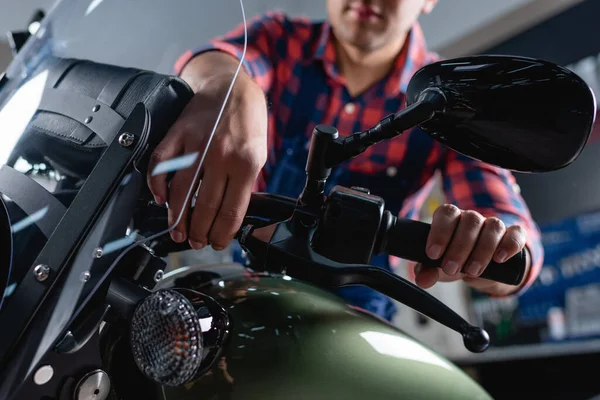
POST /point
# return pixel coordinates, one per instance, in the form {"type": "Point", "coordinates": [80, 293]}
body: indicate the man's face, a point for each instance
{"type": "Point", "coordinates": [371, 24]}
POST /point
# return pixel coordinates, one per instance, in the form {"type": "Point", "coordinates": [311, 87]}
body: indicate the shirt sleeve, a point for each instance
{"type": "Point", "coordinates": [265, 39]}
{"type": "Point", "coordinates": [492, 191]}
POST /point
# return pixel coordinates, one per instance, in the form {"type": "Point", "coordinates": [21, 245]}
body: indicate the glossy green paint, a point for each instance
{"type": "Point", "coordinates": [290, 340]}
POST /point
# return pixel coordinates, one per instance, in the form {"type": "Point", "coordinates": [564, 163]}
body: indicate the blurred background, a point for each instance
{"type": "Point", "coordinates": [541, 338]}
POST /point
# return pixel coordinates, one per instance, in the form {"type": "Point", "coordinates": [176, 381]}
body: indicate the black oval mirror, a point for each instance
{"type": "Point", "coordinates": [518, 113]}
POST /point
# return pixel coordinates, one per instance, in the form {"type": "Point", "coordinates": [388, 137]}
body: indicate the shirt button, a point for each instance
{"type": "Point", "coordinates": [349, 108]}
{"type": "Point", "coordinates": [392, 171]}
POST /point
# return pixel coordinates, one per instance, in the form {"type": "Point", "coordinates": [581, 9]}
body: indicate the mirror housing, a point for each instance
{"type": "Point", "coordinates": [518, 113]}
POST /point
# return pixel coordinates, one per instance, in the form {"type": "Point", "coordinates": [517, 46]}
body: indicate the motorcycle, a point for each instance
{"type": "Point", "coordinates": [89, 310]}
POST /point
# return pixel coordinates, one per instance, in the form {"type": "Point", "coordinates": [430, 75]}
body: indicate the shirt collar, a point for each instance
{"type": "Point", "coordinates": [414, 55]}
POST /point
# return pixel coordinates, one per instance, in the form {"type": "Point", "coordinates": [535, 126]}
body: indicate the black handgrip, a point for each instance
{"type": "Point", "coordinates": [407, 239]}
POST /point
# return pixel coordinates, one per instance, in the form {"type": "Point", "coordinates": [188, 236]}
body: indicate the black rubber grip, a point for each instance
{"type": "Point", "coordinates": [407, 239]}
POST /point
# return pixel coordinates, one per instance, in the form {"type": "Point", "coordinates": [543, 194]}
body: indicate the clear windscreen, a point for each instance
{"type": "Point", "coordinates": [72, 175]}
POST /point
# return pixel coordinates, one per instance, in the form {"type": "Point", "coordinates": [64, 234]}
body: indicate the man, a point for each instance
{"type": "Point", "coordinates": [349, 72]}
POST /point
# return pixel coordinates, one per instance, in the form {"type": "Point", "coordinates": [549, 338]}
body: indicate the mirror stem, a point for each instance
{"type": "Point", "coordinates": [431, 101]}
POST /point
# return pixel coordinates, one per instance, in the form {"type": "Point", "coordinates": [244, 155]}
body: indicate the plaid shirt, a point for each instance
{"type": "Point", "coordinates": [280, 46]}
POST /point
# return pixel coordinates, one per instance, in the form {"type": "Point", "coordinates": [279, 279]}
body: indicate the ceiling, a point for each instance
{"type": "Point", "coordinates": [480, 24]}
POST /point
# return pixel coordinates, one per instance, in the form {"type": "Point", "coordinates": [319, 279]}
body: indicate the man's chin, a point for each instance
{"type": "Point", "coordinates": [362, 41]}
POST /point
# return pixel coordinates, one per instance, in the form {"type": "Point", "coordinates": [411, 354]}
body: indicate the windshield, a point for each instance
{"type": "Point", "coordinates": [81, 107]}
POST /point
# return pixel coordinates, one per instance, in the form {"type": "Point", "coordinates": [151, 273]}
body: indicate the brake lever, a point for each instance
{"type": "Point", "coordinates": [285, 248]}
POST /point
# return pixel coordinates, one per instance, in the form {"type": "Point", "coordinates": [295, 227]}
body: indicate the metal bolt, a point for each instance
{"type": "Point", "coordinates": [86, 276]}
{"type": "Point", "coordinates": [98, 252]}
{"type": "Point", "coordinates": [88, 120]}
{"type": "Point", "coordinates": [93, 386]}
{"type": "Point", "coordinates": [43, 375]}
{"type": "Point", "coordinates": [41, 272]}
{"type": "Point", "coordinates": [159, 275]}
{"type": "Point", "coordinates": [96, 108]}
{"type": "Point", "coordinates": [126, 139]}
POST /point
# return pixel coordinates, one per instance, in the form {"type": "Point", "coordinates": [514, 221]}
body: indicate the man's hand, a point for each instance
{"type": "Point", "coordinates": [466, 241]}
{"type": "Point", "coordinates": [233, 161]}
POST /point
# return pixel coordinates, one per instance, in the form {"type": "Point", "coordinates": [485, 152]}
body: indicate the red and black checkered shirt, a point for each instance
{"type": "Point", "coordinates": [279, 47]}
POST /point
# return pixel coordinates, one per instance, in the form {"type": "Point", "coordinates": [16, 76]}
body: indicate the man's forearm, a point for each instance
{"type": "Point", "coordinates": [203, 69]}
{"type": "Point", "coordinates": [213, 72]}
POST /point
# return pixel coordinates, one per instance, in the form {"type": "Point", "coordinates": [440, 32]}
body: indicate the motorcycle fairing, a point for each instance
{"type": "Point", "coordinates": [74, 132]}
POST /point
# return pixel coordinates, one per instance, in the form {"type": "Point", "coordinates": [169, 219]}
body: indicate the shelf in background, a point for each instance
{"type": "Point", "coordinates": [532, 351]}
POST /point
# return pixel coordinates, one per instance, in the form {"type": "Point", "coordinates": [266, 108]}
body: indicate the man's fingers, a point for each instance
{"type": "Point", "coordinates": [179, 209]}
{"type": "Point", "coordinates": [232, 210]}
{"type": "Point", "coordinates": [426, 277]}
{"type": "Point", "coordinates": [444, 222]}
{"type": "Point", "coordinates": [170, 148]}
{"type": "Point", "coordinates": [513, 242]}
{"type": "Point", "coordinates": [463, 242]}
{"type": "Point", "coordinates": [208, 202]}
{"type": "Point", "coordinates": [491, 234]}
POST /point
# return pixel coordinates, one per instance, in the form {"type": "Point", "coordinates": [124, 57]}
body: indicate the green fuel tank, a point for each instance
{"type": "Point", "coordinates": [290, 340]}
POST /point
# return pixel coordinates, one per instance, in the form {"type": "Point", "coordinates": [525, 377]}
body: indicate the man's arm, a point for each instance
{"type": "Point", "coordinates": [238, 151]}
{"type": "Point", "coordinates": [210, 66]}
{"type": "Point", "coordinates": [266, 39]}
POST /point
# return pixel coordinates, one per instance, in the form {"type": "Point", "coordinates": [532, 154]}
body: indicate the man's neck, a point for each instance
{"type": "Point", "coordinates": [361, 69]}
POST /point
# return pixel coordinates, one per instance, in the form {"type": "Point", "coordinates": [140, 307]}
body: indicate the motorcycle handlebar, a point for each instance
{"type": "Point", "coordinates": [407, 239]}
{"type": "Point", "coordinates": [403, 238]}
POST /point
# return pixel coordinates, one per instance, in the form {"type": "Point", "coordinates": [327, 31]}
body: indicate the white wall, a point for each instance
{"type": "Point", "coordinates": [452, 19]}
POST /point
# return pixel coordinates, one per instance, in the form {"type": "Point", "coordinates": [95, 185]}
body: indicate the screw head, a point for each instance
{"type": "Point", "coordinates": [86, 276]}
{"type": "Point", "coordinates": [98, 252]}
{"type": "Point", "coordinates": [159, 275]}
{"type": "Point", "coordinates": [88, 120]}
{"type": "Point", "coordinates": [41, 272]}
{"type": "Point", "coordinates": [126, 139]}
{"type": "Point", "coordinates": [43, 375]}
{"type": "Point", "coordinates": [96, 108]}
